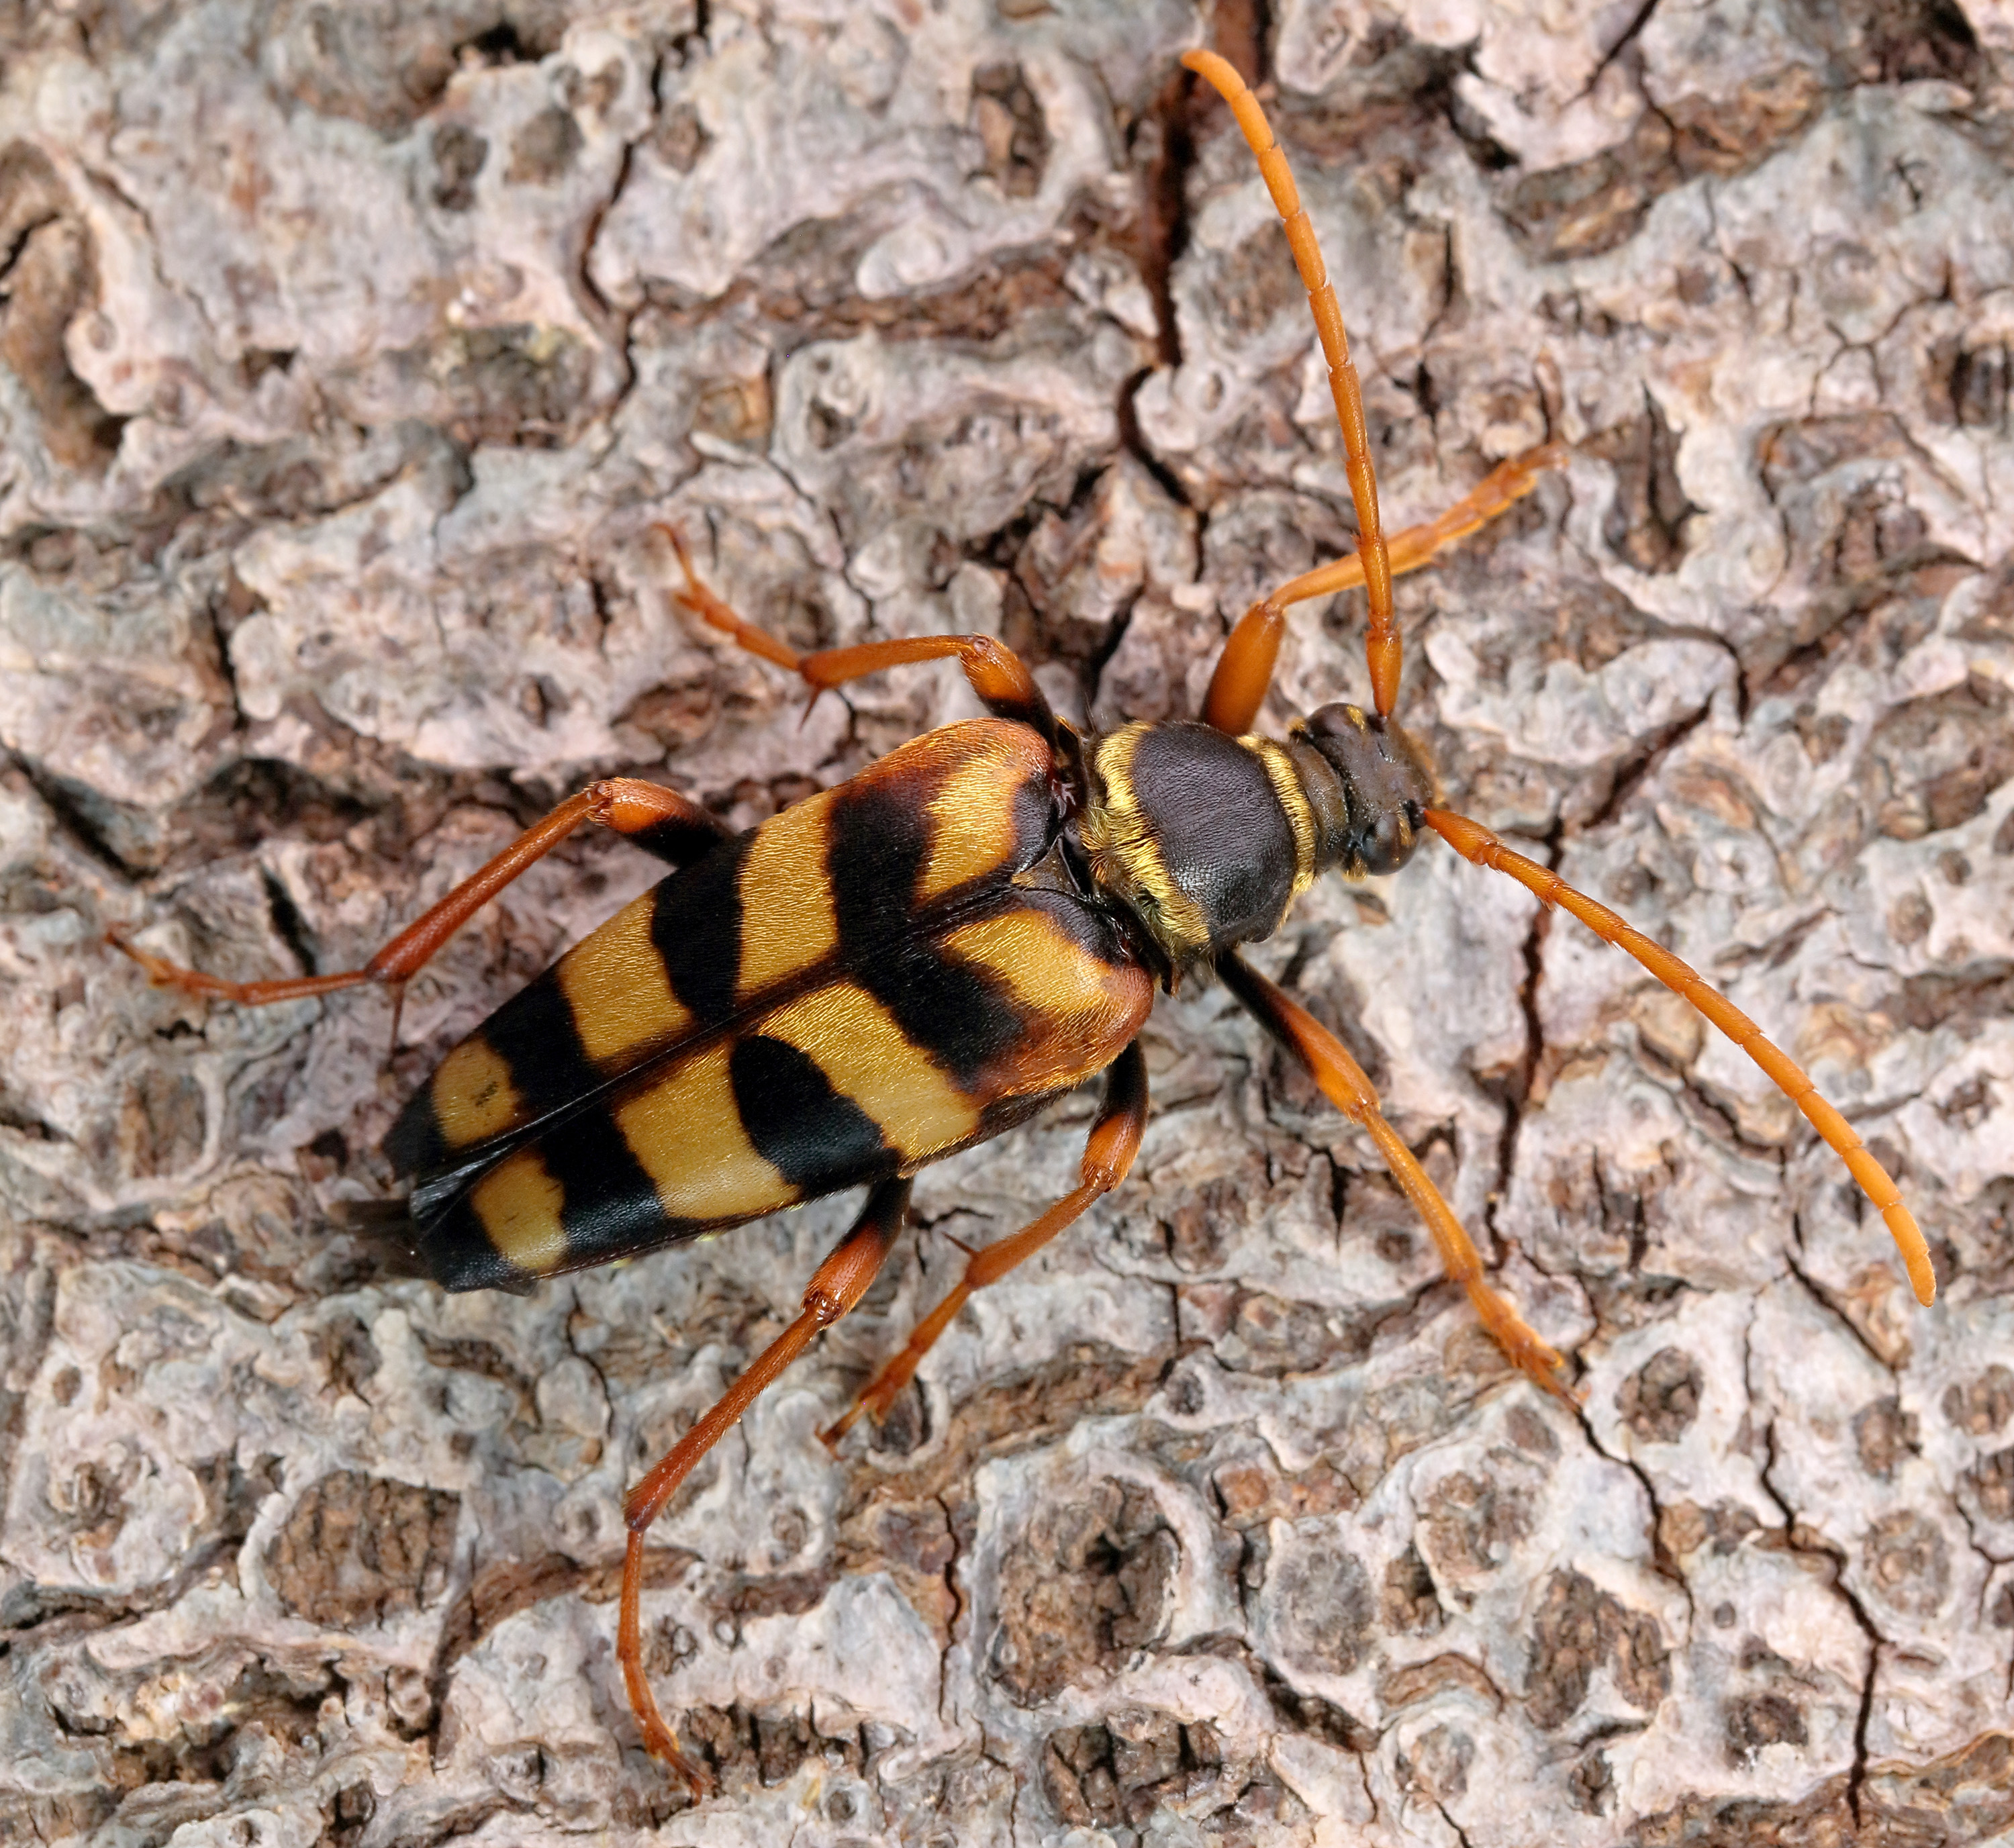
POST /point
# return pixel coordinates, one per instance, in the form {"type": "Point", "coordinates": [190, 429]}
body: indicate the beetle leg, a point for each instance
{"type": "Point", "coordinates": [1244, 669]}
{"type": "Point", "coordinates": [1108, 1156]}
{"type": "Point", "coordinates": [698, 598]}
{"type": "Point", "coordinates": [997, 674]}
{"type": "Point", "coordinates": [671, 825]}
{"type": "Point", "coordinates": [838, 1283]}
{"type": "Point", "coordinates": [1475, 843]}
{"type": "Point", "coordinates": [1507, 482]}
{"type": "Point", "coordinates": [1343, 1081]}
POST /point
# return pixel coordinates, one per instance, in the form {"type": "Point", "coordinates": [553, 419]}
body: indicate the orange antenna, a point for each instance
{"type": "Point", "coordinates": [1382, 645]}
{"type": "Point", "coordinates": [1475, 843]}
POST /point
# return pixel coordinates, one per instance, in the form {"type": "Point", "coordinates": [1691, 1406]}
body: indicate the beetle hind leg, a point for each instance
{"type": "Point", "coordinates": [1107, 1158]}
{"type": "Point", "coordinates": [670, 825]}
{"type": "Point", "coordinates": [836, 1286]}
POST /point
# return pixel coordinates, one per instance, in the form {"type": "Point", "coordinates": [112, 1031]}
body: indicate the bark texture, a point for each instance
{"type": "Point", "coordinates": [347, 353]}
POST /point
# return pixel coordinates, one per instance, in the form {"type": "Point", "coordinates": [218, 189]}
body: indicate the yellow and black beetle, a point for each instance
{"type": "Point", "coordinates": [917, 959]}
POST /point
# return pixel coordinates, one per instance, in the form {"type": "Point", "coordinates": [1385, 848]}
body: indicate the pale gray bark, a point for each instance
{"type": "Point", "coordinates": [349, 353]}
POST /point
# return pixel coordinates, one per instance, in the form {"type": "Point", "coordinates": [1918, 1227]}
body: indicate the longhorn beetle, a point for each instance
{"type": "Point", "coordinates": [924, 956]}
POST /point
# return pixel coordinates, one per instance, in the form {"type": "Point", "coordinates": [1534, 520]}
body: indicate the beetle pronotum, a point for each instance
{"type": "Point", "coordinates": [923, 957]}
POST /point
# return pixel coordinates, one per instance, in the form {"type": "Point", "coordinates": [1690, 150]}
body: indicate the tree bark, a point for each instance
{"type": "Point", "coordinates": [348, 357]}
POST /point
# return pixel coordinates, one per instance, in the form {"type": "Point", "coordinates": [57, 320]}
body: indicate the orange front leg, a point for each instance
{"type": "Point", "coordinates": [1345, 387]}
{"type": "Point", "coordinates": [1244, 669]}
{"type": "Point", "coordinates": [1343, 1081]}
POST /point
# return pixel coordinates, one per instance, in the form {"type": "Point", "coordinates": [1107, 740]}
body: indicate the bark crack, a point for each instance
{"type": "Point", "coordinates": [1645, 758]}
{"type": "Point", "coordinates": [1630, 34]}
{"type": "Point", "coordinates": [1830, 1303]}
{"type": "Point", "coordinates": [1660, 1556]}
{"type": "Point", "coordinates": [1809, 1543]}
{"type": "Point", "coordinates": [1460, 1834]}
{"type": "Point", "coordinates": [73, 820]}
{"type": "Point", "coordinates": [1515, 1089]}
{"type": "Point", "coordinates": [957, 1604]}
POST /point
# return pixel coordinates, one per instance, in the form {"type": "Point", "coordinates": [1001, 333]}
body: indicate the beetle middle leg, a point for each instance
{"type": "Point", "coordinates": [1343, 1081]}
{"type": "Point", "coordinates": [1108, 1157]}
{"type": "Point", "coordinates": [998, 676]}
{"type": "Point", "coordinates": [836, 1286]}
